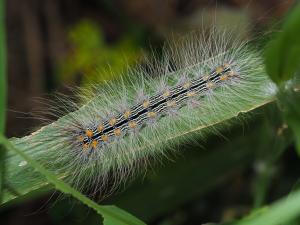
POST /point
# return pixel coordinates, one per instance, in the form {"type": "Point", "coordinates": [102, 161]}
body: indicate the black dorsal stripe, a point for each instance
{"type": "Point", "coordinates": [198, 84]}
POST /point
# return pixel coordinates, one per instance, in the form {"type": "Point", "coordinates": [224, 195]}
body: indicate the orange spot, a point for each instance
{"type": "Point", "coordinates": [146, 104]}
{"type": "Point", "coordinates": [219, 70]}
{"type": "Point", "coordinates": [112, 121]}
{"type": "Point", "coordinates": [132, 124]}
{"type": "Point", "coordinates": [171, 103]}
{"type": "Point", "coordinates": [89, 133]}
{"type": "Point", "coordinates": [166, 94]}
{"type": "Point", "coordinates": [187, 85]}
{"type": "Point", "coordinates": [118, 132]}
{"type": "Point", "coordinates": [94, 143]}
{"type": "Point", "coordinates": [224, 77]}
{"type": "Point", "coordinates": [100, 128]}
{"type": "Point", "coordinates": [191, 93]}
{"type": "Point", "coordinates": [104, 137]}
{"type": "Point", "coordinates": [151, 114]}
{"type": "Point", "coordinates": [85, 146]}
{"type": "Point", "coordinates": [127, 114]}
{"type": "Point", "coordinates": [80, 138]}
{"type": "Point", "coordinates": [210, 84]}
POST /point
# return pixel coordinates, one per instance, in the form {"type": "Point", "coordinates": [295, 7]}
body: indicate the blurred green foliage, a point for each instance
{"type": "Point", "coordinates": [90, 55]}
{"type": "Point", "coordinates": [283, 52]}
{"type": "Point", "coordinates": [290, 101]}
{"type": "Point", "coordinates": [283, 64]}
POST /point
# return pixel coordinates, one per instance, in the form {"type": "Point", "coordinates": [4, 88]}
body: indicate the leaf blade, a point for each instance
{"type": "Point", "coordinates": [282, 55]}
{"type": "Point", "coordinates": [282, 211]}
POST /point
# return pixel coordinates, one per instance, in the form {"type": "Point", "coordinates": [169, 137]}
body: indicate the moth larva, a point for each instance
{"type": "Point", "coordinates": [201, 80]}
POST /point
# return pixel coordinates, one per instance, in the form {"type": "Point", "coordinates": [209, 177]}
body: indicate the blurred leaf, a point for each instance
{"type": "Point", "coordinates": [289, 100]}
{"type": "Point", "coordinates": [283, 63]}
{"type": "Point", "coordinates": [111, 214]}
{"type": "Point", "coordinates": [282, 56]}
{"type": "Point", "coordinates": [282, 211]}
{"type": "Point", "coordinates": [273, 140]}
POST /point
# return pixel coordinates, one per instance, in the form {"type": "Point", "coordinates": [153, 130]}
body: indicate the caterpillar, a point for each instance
{"type": "Point", "coordinates": [120, 127]}
{"type": "Point", "coordinates": [148, 109]}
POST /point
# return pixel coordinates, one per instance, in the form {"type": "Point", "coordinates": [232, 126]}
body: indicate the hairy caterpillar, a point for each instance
{"type": "Point", "coordinates": [120, 125]}
{"type": "Point", "coordinates": [148, 109]}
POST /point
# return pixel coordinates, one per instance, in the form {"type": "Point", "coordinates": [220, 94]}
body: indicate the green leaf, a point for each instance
{"type": "Point", "coordinates": [111, 214]}
{"type": "Point", "coordinates": [24, 180]}
{"type": "Point", "coordinates": [280, 212]}
{"type": "Point", "coordinates": [282, 56]}
{"type": "Point", "coordinates": [112, 220]}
